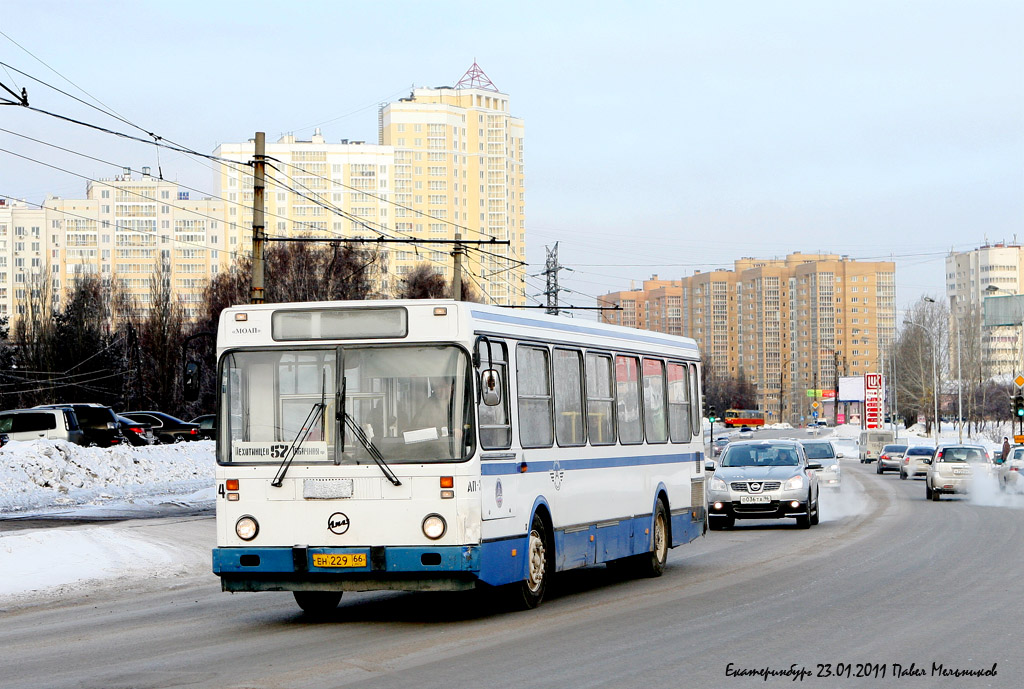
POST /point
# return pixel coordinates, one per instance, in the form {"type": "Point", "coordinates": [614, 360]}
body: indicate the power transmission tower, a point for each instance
{"type": "Point", "coordinates": [551, 268]}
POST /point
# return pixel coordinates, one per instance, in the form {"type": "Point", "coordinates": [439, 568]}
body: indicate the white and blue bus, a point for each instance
{"type": "Point", "coordinates": [442, 445]}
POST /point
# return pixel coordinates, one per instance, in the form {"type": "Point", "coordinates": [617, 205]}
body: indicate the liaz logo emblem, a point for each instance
{"type": "Point", "coordinates": [338, 523]}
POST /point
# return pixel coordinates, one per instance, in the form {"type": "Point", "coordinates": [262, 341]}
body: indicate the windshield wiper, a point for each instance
{"type": "Point", "coordinates": [371, 449]}
{"type": "Point", "coordinates": [300, 437]}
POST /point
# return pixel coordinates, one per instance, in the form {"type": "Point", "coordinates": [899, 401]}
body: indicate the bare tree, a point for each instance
{"type": "Point", "coordinates": [921, 353]}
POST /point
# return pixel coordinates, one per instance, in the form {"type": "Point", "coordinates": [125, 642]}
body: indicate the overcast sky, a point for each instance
{"type": "Point", "coordinates": [660, 137]}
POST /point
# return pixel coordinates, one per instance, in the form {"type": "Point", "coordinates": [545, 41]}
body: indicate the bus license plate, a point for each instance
{"type": "Point", "coordinates": [339, 559]}
{"type": "Point", "coordinates": [755, 499]}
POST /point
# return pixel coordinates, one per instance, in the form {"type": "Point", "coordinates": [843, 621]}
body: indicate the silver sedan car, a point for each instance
{"type": "Point", "coordinates": [763, 479]}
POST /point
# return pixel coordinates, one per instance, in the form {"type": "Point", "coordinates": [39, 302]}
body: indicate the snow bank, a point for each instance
{"type": "Point", "coordinates": [44, 473]}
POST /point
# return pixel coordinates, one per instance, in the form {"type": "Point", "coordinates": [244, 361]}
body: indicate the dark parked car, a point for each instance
{"type": "Point", "coordinates": [207, 426]}
{"type": "Point", "coordinates": [136, 432]}
{"type": "Point", "coordinates": [98, 422]}
{"type": "Point", "coordinates": [3, 439]}
{"type": "Point", "coordinates": [166, 428]}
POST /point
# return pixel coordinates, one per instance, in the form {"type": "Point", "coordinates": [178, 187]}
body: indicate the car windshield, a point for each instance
{"type": "Point", "coordinates": [894, 448]}
{"type": "Point", "coordinates": [760, 455]}
{"type": "Point", "coordinates": [412, 403]}
{"type": "Point", "coordinates": [819, 450]}
{"type": "Point", "coordinates": [924, 451]}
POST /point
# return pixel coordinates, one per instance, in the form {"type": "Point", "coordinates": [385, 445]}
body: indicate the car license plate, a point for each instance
{"type": "Point", "coordinates": [754, 499]}
{"type": "Point", "coordinates": [339, 559]}
{"type": "Point", "coordinates": [961, 471]}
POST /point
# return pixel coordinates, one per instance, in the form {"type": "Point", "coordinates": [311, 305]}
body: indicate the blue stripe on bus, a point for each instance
{"type": "Point", "coordinates": [570, 327]}
{"type": "Point", "coordinates": [514, 467]}
{"type": "Point", "coordinates": [496, 562]}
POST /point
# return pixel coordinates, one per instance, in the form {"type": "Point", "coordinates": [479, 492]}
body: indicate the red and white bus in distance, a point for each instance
{"type": "Point", "coordinates": [743, 418]}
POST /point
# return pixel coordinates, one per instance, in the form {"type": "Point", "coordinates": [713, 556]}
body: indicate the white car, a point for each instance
{"type": "Point", "coordinates": [916, 461]}
{"type": "Point", "coordinates": [824, 452]}
{"type": "Point", "coordinates": [1008, 472]}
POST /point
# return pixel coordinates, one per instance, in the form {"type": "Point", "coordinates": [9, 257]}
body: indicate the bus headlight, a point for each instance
{"type": "Point", "coordinates": [434, 526]}
{"type": "Point", "coordinates": [247, 527]}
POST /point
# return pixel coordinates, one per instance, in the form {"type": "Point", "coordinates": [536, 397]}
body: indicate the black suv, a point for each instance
{"type": "Point", "coordinates": [98, 423]}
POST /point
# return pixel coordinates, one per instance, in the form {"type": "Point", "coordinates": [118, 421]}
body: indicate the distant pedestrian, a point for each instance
{"type": "Point", "coordinates": [1006, 449]}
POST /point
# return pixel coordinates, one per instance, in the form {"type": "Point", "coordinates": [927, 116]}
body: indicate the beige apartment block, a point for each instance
{"type": "Point", "coordinates": [23, 253]}
{"type": "Point", "coordinates": [459, 168]}
{"type": "Point", "coordinates": [992, 270]}
{"type": "Point", "coordinates": [133, 228]}
{"type": "Point", "coordinates": [788, 325]}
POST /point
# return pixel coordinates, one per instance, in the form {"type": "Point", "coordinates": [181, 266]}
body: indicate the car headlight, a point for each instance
{"type": "Point", "coordinates": [795, 483]}
{"type": "Point", "coordinates": [247, 527]}
{"type": "Point", "coordinates": [434, 526]}
{"type": "Point", "coordinates": [717, 484]}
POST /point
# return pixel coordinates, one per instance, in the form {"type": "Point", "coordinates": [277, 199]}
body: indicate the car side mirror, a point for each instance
{"type": "Point", "coordinates": [490, 387]}
{"type": "Point", "coordinates": [927, 460]}
{"type": "Point", "coordinates": [813, 465]}
{"type": "Point", "coordinates": [839, 455]}
{"type": "Point", "coordinates": [709, 465]}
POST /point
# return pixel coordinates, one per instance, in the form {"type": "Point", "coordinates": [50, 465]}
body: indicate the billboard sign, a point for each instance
{"type": "Point", "coordinates": [851, 388]}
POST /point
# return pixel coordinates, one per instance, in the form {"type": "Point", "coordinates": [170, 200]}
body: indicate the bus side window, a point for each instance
{"type": "Point", "coordinates": [534, 383]}
{"type": "Point", "coordinates": [569, 428]}
{"type": "Point", "coordinates": [627, 395]}
{"type": "Point", "coordinates": [495, 425]}
{"type": "Point", "coordinates": [655, 426]}
{"type": "Point", "coordinates": [600, 400]}
{"type": "Point", "coordinates": [678, 403]}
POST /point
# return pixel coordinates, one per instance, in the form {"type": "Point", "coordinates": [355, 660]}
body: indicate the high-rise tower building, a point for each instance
{"type": "Point", "coordinates": [459, 168]}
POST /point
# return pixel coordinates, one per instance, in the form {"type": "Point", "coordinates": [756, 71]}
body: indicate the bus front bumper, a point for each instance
{"type": "Point", "coordinates": [302, 568]}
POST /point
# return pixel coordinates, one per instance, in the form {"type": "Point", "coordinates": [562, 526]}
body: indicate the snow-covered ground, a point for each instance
{"type": "Point", "coordinates": [47, 478]}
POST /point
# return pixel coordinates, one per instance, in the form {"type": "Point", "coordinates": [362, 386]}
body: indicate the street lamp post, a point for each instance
{"type": "Point", "coordinates": [935, 384]}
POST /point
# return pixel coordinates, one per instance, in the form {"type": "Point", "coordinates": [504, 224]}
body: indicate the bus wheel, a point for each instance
{"type": "Point", "coordinates": [317, 603]}
{"type": "Point", "coordinates": [652, 564]}
{"type": "Point", "coordinates": [539, 565]}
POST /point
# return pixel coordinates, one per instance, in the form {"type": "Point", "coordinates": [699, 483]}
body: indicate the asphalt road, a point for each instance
{"type": "Point", "coordinates": [887, 578]}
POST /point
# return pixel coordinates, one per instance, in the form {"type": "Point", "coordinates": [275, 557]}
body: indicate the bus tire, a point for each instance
{"type": "Point", "coordinates": [317, 603]}
{"type": "Point", "coordinates": [540, 564]}
{"type": "Point", "coordinates": [652, 564]}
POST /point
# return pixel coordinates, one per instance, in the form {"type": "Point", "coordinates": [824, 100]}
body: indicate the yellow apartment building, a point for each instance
{"type": "Point", "coordinates": [459, 168]}
{"type": "Point", "coordinates": [788, 325]}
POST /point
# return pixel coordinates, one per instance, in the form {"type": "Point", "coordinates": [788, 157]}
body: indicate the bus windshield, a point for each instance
{"type": "Point", "coordinates": [412, 403]}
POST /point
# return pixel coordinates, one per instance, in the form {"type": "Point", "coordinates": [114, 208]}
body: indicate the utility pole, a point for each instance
{"type": "Point", "coordinates": [259, 173]}
{"type": "Point", "coordinates": [457, 272]}
{"type": "Point", "coordinates": [835, 397]}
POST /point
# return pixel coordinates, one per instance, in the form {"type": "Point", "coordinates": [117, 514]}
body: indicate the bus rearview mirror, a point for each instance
{"type": "Point", "coordinates": [490, 387]}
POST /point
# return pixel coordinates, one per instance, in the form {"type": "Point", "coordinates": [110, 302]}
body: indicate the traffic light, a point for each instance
{"type": "Point", "coordinates": [712, 417]}
{"type": "Point", "coordinates": [1018, 406]}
